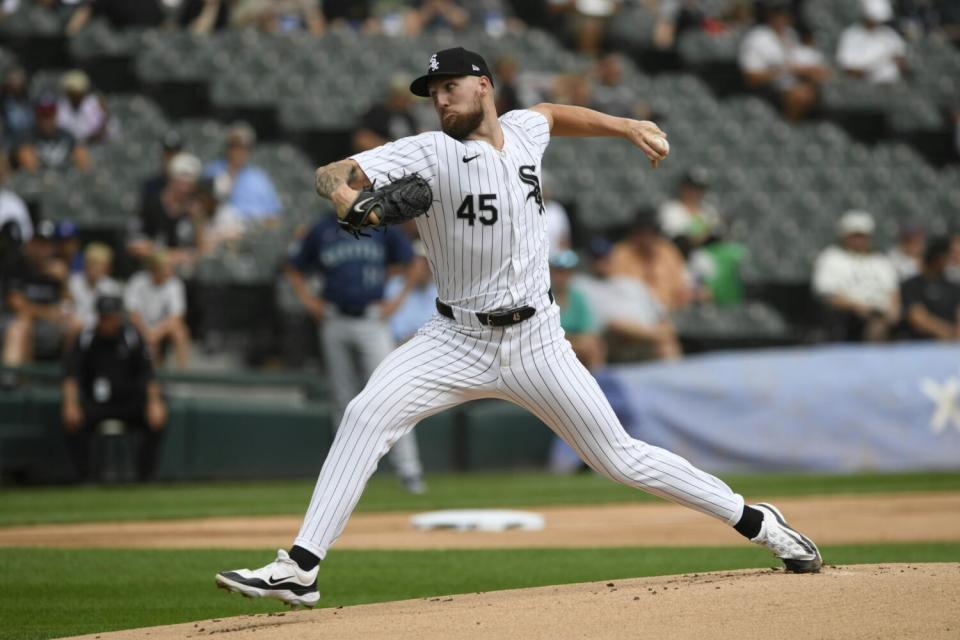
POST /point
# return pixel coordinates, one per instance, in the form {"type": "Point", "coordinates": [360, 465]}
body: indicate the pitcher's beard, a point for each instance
{"type": "Point", "coordinates": [459, 127]}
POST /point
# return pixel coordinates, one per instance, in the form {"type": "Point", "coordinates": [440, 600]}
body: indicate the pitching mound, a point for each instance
{"type": "Point", "coordinates": [860, 601]}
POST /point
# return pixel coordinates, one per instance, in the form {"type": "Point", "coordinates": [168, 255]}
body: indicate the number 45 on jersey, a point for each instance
{"type": "Point", "coordinates": [479, 207]}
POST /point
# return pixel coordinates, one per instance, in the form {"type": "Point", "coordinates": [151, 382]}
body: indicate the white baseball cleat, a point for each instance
{"type": "Point", "coordinates": [282, 579]}
{"type": "Point", "coordinates": [798, 552]}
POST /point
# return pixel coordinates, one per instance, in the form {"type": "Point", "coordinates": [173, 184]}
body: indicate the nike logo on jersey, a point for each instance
{"type": "Point", "coordinates": [466, 159]}
{"type": "Point", "coordinates": [272, 580]}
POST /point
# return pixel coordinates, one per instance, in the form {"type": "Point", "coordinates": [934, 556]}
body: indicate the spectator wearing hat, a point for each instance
{"type": "Point", "coordinates": [67, 246]}
{"type": "Point", "coordinates": [245, 186]}
{"type": "Point", "coordinates": [648, 257]}
{"type": "Point", "coordinates": [858, 286]}
{"type": "Point", "coordinates": [388, 120]}
{"type": "Point", "coordinates": [931, 303]}
{"type": "Point", "coordinates": [172, 221]}
{"type": "Point", "coordinates": [689, 220]}
{"type": "Point", "coordinates": [576, 317]}
{"type": "Point", "coordinates": [635, 325]}
{"type": "Point", "coordinates": [771, 67]}
{"type": "Point", "coordinates": [12, 207]}
{"type": "Point", "coordinates": [151, 188]}
{"type": "Point", "coordinates": [33, 288]}
{"type": "Point", "coordinates": [870, 49]}
{"type": "Point", "coordinates": [907, 254]}
{"type": "Point", "coordinates": [157, 303]}
{"type": "Point", "coordinates": [81, 112]}
{"type": "Point", "coordinates": [48, 146]}
{"type": "Point", "coordinates": [109, 376]}
{"type": "Point", "coordinates": [93, 282]}
{"type": "Point", "coordinates": [16, 112]}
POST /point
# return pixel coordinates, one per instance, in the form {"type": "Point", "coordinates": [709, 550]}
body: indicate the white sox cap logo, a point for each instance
{"type": "Point", "coordinates": [434, 65]}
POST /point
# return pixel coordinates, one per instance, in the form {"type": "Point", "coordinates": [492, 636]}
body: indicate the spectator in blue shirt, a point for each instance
{"type": "Point", "coordinates": [246, 187]}
{"type": "Point", "coordinates": [416, 294]}
{"type": "Point", "coordinates": [353, 316]}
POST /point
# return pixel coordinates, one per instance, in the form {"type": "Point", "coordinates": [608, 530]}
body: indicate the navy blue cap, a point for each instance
{"type": "Point", "coordinates": [65, 229]}
{"type": "Point", "coordinates": [109, 304]}
{"type": "Point", "coordinates": [451, 62]}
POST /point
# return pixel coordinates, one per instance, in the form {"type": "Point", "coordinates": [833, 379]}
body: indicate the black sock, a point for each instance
{"type": "Point", "coordinates": [750, 522]}
{"type": "Point", "coordinates": [304, 559]}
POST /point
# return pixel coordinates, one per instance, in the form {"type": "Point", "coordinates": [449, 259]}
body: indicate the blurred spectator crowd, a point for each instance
{"type": "Point", "coordinates": [620, 295]}
{"type": "Point", "coordinates": [50, 284]}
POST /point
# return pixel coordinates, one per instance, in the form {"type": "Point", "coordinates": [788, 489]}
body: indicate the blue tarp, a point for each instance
{"type": "Point", "coordinates": [833, 408]}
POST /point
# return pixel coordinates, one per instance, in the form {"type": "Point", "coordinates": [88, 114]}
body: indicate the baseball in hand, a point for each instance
{"type": "Point", "coordinates": [662, 144]}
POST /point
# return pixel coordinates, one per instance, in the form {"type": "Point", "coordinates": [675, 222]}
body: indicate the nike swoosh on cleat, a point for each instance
{"type": "Point", "coordinates": [271, 580]}
{"type": "Point", "coordinates": [466, 159]}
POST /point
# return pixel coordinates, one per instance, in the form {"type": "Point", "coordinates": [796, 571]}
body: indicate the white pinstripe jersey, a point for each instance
{"type": "Point", "coordinates": [485, 235]}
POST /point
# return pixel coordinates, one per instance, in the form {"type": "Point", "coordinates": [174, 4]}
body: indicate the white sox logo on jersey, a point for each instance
{"type": "Point", "coordinates": [528, 175]}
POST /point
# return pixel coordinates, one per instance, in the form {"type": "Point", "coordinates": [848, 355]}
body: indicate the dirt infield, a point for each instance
{"type": "Point", "coordinates": [859, 601]}
{"type": "Point", "coordinates": [915, 517]}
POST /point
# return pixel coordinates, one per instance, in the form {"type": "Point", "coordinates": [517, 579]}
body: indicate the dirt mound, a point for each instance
{"type": "Point", "coordinates": [914, 517]}
{"type": "Point", "coordinates": [860, 601]}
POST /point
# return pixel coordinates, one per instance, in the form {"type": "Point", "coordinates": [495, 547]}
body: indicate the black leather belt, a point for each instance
{"type": "Point", "coordinates": [503, 318]}
{"type": "Point", "coordinates": [352, 312]}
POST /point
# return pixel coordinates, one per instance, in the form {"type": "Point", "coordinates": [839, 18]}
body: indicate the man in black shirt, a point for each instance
{"type": "Point", "coordinates": [32, 283]}
{"type": "Point", "coordinates": [109, 376]}
{"type": "Point", "coordinates": [171, 218]}
{"type": "Point", "coordinates": [931, 303]}
{"type": "Point", "coordinates": [152, 187]}
{"type": "Point", "coordinates": [48, 146]}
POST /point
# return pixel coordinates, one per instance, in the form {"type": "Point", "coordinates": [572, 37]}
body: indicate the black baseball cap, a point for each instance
{"type": "Point", "coordinates": [107, 304]}
{"type": "Point", "coordinates": [451, 62]}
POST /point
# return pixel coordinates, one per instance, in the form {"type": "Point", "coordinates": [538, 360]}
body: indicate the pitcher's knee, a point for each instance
{"type": "Point", "coordinates": [625, 463]}
{"type": "Point", "coordinates": [366, 408]}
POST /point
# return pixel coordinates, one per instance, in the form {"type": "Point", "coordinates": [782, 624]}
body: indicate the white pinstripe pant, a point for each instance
{"type": "Point", "coordinates": [530, 364]}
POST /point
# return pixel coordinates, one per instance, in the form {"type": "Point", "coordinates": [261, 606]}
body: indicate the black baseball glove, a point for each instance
{"type": "Point", "coordinates": [403, 199]}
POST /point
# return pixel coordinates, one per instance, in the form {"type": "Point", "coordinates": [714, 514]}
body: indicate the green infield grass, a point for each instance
{"type": "Point", "coordinates": [49, 593]}
{"type": "Point", "coordinates": [508, 490]}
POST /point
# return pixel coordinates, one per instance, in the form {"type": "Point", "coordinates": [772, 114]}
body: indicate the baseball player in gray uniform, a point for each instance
{"type": "Point", "coordinates": [496, 333]}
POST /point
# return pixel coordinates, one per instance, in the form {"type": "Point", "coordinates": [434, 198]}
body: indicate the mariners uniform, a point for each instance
{"type": "Point", "coordinates": [496, 334]}
{"type": "Point", "coordinates": [355, 339]}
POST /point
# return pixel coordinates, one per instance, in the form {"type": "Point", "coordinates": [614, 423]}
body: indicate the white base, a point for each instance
{"type": "Point", "coordinates": [478, 520]}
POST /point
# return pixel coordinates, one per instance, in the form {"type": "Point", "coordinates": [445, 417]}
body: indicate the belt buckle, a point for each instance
{"type": "Point", "coordinates": [513, 315]}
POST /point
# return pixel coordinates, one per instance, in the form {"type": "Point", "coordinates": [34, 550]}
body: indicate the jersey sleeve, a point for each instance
{"type": "Point", "coordinates": [415, 154]}
{"type": "Point", "coordinates": [533, 125]}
